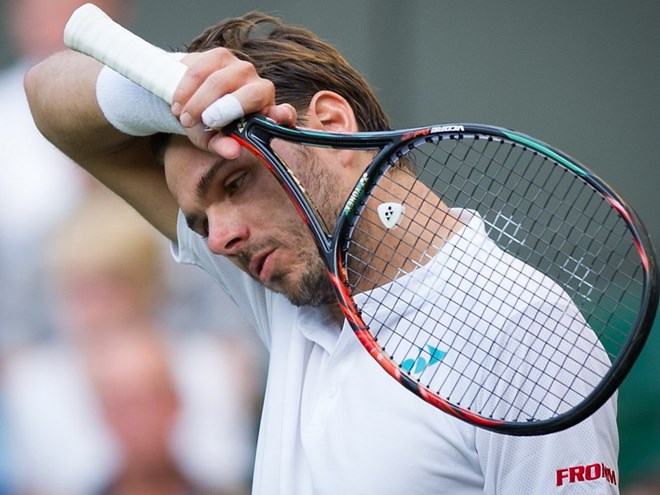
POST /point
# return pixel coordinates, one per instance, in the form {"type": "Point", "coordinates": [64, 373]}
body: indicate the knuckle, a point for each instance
{"type": "Point", "coordinates": [216, 80]}
{"type": "Point", "coordinates": [264, 92]}
{"type": "Point", "coordinates": [221, 53]}
{"type": "Point", "coordinates": [245, 68]}
{"type": "Point", "coordinates": [195, 73]}
{"type": "Point", "coordinates": [269, 87]}
{"type": "Point", "coordinates": [259, 94]}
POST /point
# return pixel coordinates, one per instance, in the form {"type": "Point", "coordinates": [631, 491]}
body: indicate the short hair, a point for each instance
{"type": "Point", "coordinates": [297, 62]}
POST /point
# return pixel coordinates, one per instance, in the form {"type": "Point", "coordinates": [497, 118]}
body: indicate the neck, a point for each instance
{"type": "Point", "coordinates": [381, 255]}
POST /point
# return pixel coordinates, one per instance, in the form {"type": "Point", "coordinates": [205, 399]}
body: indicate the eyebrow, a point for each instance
{"type": "Point", "coordinates": [203, 186]}
{"type": "Point", "coordinates": [208, 178]}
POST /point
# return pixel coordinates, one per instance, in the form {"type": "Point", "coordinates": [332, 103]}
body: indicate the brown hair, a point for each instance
{"type": "Point", "coordinates": [297, 62]}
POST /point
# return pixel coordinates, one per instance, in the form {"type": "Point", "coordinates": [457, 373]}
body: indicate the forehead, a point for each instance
{"type": "Point", "coordinates": [177, 154]}
{"type": "Point", "coordinates": [190, 172]}
{"type": "Point", "coordinates": [187, 167]}
{"type": "Point", "coordinates": [172, 147]}
{"type": "Point", "coordinates": [184, 165]}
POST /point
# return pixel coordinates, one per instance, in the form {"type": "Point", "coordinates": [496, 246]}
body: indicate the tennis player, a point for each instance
{"type": "Point", "coordinates": [333, 422]}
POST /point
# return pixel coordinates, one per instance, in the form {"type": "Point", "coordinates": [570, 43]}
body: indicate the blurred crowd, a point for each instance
{"type": "Point", "coordinates": [121, 372]}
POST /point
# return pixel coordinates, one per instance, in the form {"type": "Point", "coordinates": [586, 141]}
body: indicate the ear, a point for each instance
{"type": "Point", "coordinates": [330, 112]}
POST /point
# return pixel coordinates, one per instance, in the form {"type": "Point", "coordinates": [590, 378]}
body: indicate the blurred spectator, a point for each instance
{"type": "Point", "coordinates": [4, 468]}
{"type": "Point", "coordinates": [38, 184]}
{"type": "Point", "coordinates": [120, 404]}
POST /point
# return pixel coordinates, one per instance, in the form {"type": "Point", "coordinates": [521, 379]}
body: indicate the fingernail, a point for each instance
{"type": "Point", "coordinates": [176, 108]}
{"type": "Point", "coordinates": [186, 120]}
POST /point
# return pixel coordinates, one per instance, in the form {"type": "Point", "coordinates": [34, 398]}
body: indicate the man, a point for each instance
{"type": "Point", "coordinates": [332, 422]}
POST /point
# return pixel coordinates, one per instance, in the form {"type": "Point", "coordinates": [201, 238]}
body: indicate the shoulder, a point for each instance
{"type": "Point", "coordinates": [584, 456]}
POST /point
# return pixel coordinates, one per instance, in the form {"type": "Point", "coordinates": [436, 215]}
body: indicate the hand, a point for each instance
{"type": "Point", "coordinates": [211, 75]}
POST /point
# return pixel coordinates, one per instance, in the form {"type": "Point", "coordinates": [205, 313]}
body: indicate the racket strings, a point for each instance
{"type": "Point", "coordinates": [369, 250]}
{"type": "Point", "coordinates": [452, 329]}
{"type": "Point", "coordinates": [494, 349]}
{"type": "Point", "coordinates": [454, 393]}
{"type": "Point", "coordinates": [569, 210]}
{"type": "Point", "coordinates": [402, 317]}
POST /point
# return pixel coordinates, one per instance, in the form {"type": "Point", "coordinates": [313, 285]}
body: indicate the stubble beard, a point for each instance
{"type": "Point", "coordinates": [313, 287]}
{"type": "Point", "coordinates": [306, 284]}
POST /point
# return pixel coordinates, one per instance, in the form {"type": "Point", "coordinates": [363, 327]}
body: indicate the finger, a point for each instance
{"type": "Point", "coordinates": [283, 114]}
{"type": "Point", "coordinates": [222, 112]}
{"type": "Point", "coordinates": [224, 146]}
{"type": "Point", "coordinates": [200, 136]}
{"type": "Point", "coordinates": [251, 93]}
{"type": "Point", "coordinates": [232, 106]}
{"type": "Point", "coordinates": [200, 66]}
{"type": "Point", "coordinates": [213, 141]}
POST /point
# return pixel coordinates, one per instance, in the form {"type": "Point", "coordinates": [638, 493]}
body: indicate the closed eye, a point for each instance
{"type": "Point", "coordinates": [234, 183]}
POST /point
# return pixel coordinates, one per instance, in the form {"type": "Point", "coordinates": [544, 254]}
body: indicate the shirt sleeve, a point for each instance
{"type": "Point", "coordinates": [581, 460]}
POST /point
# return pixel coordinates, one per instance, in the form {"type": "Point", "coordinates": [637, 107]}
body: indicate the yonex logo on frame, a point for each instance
{"type": "Point", "coordinates": [590, 472]}
{"type": "Point", "coordinates": [350, 202]}
{"type": "Point", "coordinates": [417, 366]}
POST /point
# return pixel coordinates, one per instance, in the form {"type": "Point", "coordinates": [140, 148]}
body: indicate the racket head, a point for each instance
{"type": "Point", "coordinates": [553, 282]}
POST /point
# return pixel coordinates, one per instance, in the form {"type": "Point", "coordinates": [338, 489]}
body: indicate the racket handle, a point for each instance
{"type": "Point", "coordinates": [92, 32]}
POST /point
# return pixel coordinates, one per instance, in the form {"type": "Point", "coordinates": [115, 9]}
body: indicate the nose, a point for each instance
{"type": "Point", "coordinates": [227, 232]}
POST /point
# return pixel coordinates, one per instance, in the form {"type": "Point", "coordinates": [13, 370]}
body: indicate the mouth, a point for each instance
{"type": "Point", "coordinates": [261, 266]}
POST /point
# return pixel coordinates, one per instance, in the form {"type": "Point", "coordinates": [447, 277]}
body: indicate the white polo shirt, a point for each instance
{"type": "Point", "coordinates": [334, 422]}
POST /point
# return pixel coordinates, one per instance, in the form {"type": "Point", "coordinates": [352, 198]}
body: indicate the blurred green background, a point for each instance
{"type": "Point", "coordinates": [581, 75]}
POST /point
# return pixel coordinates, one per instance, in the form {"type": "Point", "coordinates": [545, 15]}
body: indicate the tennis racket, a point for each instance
{"type": "Point", "coordinates": [488, 273]}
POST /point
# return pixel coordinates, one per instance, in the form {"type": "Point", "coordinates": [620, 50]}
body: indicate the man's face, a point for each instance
{"type": "Point", "coordinates": [245, 215]}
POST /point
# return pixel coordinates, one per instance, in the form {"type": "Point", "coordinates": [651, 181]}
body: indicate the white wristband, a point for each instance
{"type": "Point", "coordinates": [132, 109]}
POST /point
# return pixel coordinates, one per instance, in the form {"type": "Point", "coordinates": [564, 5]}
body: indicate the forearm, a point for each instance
{"type": "Point", "coordinates": [62, 97]}
{"type": "Point", "coordinates": [61, 92]}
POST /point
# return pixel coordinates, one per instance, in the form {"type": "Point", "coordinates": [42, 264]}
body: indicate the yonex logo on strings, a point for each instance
{"type": "Point", "coordinates": [418, 365]}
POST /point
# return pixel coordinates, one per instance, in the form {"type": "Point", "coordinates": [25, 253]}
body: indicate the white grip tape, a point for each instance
{"type": "Point", "coordinates": [92, 32]}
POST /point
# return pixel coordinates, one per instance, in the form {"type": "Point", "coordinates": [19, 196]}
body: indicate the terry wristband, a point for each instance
{"type": "Point", "coordinates": [132, 109]}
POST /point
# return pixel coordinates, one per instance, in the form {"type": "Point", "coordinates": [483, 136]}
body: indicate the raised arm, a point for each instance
{"type": "Point", "coordinates": [62, 97]}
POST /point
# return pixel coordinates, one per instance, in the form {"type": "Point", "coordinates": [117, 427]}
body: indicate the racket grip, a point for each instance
{"type": "Point", "coordinates": [92, 32]}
